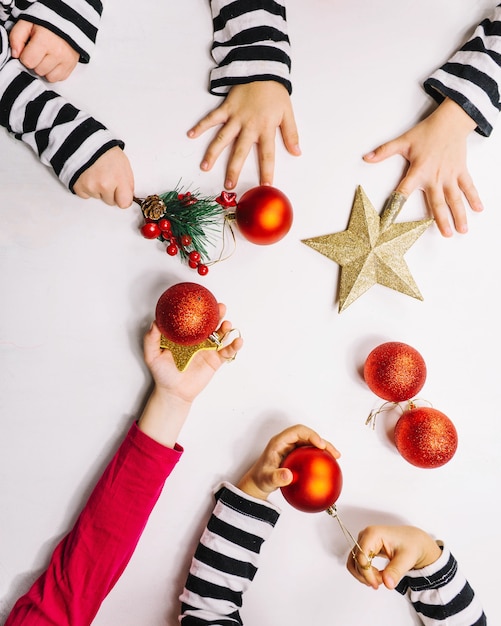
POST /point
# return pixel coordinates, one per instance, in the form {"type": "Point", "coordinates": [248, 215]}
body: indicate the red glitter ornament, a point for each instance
{"type": "Point", "coordinates": [395, 371]}
{"type": "Point", "coordinates": [264, 215]}
{"type": "Point", "coordinates": [317, 479]}
{"type": "Point", "coordinates": [425, 437]}
{"type": "Point", "coordinates": [187, 313]}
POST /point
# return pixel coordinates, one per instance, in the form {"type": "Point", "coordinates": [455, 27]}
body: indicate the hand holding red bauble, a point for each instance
{"type": "Point", "coordinates": [425, 437]}
{"type": "Point", "coordinates": [264, 215]}
{"type": "Point", "coordinates": [317, 479]}
{"type": "Point", "coordinates": [395, 371]}
{"type": "Point", "coordinates": [187, 313]}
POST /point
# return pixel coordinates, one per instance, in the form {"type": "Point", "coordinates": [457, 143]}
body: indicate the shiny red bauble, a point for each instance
{"type": "Point", "coordinates": [187, 314]}
{"type": "Point", "coordinates": [317, 479]}
{"type": "Point", "coordinates": [264, 215]}
{"type": "Point", "coordinates": [395, 371]}
{"type": "Point", "coordinates": [426, 437]}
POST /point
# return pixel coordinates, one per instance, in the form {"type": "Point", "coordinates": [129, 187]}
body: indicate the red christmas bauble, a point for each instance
{"type": "Point", "coordinates": [187, 313]}
{"type": "Point", "coordinates": [395, 371]}
{"type": "Point", "coordinates": [425, 437]}
{"type": "Point", "coordinates": [317, 479]}
{"type": "Point", "coordinates": [264, 215]}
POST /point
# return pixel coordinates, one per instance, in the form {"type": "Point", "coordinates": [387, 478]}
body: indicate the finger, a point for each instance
{"type": "Point", "coordinates": [409, 183]}
{"type": "Point", "coordinates": [214, 118]}
{"type": "Point", "coordinates": [19, 35]}
{"type": "Point", "coordinates": [400, 564]}
{"type": "Point", "coordinates": [240, 152]}
{"type": "Point", "coordinates": [290, 134]}
{"type": "Point", "coordinates": [386, 150]}
{"type": "Point", "coordinates": [124, 196]}
{"type": "Point", "coordinates": [222, 139]}
{"type": "Point", "coordinates": [32, 55]}
{"type": "Point", "coordinates": [46, 66]}
{"type": "Point", "coordinates": [471, 194]}
{"type": "Point", "coordinates": [60, 72]}
{"type": "Point", "coordinates": [456, 206]}
{"type": "Point", "coordinates": [439, 209]}
{"type": "Point", "coordinates": [151, 343]}
{"type": "Point", "coordinates": [266, 157]}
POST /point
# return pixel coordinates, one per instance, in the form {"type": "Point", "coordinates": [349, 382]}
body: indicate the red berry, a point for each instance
{"type": "Point", "coordinates": [185, 240]}
{"type": "Point", "coordinates": [150, 230]}
{"type": "Point", "coordinates": [193, 264]}
{"type": "Point", "coordinates": [164, 225]}
{"type": "Point", "coordinates": [203, 270]}
{"type": "Point", "coordinates": [172, 249]}
{"type": "Point", "coordinates": [195, 256]}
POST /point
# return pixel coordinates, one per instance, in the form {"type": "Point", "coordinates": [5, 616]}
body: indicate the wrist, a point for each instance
{"type": "Point", "coordinates": [456, 116]}
{"type": "Point", "coordinates": [164, 416]}
{"type": "Point", "coordinates": [248, 486]}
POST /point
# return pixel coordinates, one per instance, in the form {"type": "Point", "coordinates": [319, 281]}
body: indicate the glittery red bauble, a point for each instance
{"type": "Point", "coordinates": [187, 314]}
{"type": "Point", "coordinates": [264, 215]}
{"type": "Point", "coordinates": [425, 437]}
{"type": "Point", "coordinates": [395, 371]}
{"type": "Point", "coordinates": [317, 479]}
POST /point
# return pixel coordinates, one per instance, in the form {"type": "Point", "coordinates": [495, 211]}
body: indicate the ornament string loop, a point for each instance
{"type": "Point", "coordinates": [350, 539]}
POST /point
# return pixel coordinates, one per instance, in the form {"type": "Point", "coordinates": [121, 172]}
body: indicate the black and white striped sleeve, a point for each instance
{"type": "Point", "coordinates": [441, 594]}
{"type": "Point", "coordinates": [63, 137]}
{"type": "Point", "coordinates": [251, 43]}
{"type": "Point", "coordinates": [75, 21]}
{"type": "Point", "coordinates": [472, 76]}
{"type": "Point", "coordinates": [226, 559]}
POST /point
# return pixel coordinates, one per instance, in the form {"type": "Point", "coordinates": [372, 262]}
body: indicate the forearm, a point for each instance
{"type": "Point", "coordinates": [251, 43]}
{"type": "Point", "coordinates": [441, 594]}
{"type": "Point", "coordinates": [63, 137]}
{"type": "Point", "coordinates": [227, 558]}
{"type": "Point", "coordinates": [472, 76]}
{"type": "Point", "coordinates": [89, 560]}
{"type": "Point", "coordinates": [75, 21]}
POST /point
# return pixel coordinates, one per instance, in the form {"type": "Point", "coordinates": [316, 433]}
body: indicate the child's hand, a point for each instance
{"type": "Point", "coordinates": [266, 475]}
{"type": "Point", "coordinates": [406, 548]}
{"type": "Point", "coordinates": [250, 114]}
{"type": "Point", "coordinates": [42, 51]}
{"type": "Point", "coordinates": [170, 401]}
{"type": "Point", "coordinates": [187, 384]}
{"type": "Point", "coordinates": [436, 151]}
{"type": "Point", "coordinates": [110, 179]}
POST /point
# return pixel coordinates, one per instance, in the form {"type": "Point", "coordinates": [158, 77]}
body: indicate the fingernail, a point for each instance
{"type": "Point", "coordinates": [369, 155]}
{"type": "Point", "coordinates": [229, 184]}
{"type": "Point", "coordinates": [191, 133]}
{"type": "Point", "coordinates": [204, 165]}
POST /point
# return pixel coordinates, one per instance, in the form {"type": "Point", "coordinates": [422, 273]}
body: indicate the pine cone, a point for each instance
{"type": "Point", "coordinates": [153, 207]}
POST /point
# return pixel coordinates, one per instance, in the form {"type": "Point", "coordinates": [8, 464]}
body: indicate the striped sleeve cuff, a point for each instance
{"type": "Point", "coordinates": [440, 594]}
{"type": "Point", "coordinates": [4, 47]}
{"type": "Point", "coordinates": [472, 76]}
{"type": "Point", "coordinates": [227, 557]}
{"type": "Point", "coordinates": [75, 21]}
{"type": "Point", "coordinates": [251, 43]}
{"type": "Point", "coordinates": [63, 137]}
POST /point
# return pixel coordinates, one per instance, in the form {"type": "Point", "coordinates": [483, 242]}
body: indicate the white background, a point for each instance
{"type": "Point", "coordinates": [79, 286]}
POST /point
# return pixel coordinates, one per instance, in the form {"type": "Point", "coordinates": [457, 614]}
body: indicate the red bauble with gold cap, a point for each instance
{"type": "Point", "coordinates": [395, 371]}
{"type": "Point", "coordinates": [425, 437]}
{"type": "Point", "coordinates": [187, 313]}
{"type": "Point", "coordinates": [317, 479]}
{"type": "Point", "coordinates": [264, 215]}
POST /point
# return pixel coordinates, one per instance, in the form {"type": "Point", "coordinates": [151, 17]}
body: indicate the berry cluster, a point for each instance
{"type": "Point", "coordinates": [158, 226]}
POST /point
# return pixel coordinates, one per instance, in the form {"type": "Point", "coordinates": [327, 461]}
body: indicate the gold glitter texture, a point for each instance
{"type": "Point", "coordinates": [182, 355]}
{"type": "Point", "coordinates": [371, 250]}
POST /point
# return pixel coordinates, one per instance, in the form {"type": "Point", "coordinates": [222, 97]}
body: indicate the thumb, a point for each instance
{"type": "Point", "coordinates": [18, 37]}
{"type": "Point", "coordinates": [290, 135]}
{"type": "Point", "coordinates": [282, 477]}
{"type": "Point", "coordinates": [396, 569]}
{"type": "Point", "coordinates": [384, 151]}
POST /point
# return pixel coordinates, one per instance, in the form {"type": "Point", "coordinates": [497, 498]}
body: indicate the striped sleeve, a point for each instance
{"type": "Point", "coordinates": [226, 559]}
{"type": "Point", "coordinates": [75, 21]}
{"type": "Point", "coordinates": [63, 137]}
{"type": "Point", "coordinates": [4, 47]}
{"type": "Point", "coordinates": [251, 43]}
{"type": "Point", "coordinates": [472, 76]}
{"type": "Point", "coordinates": [440, 594]}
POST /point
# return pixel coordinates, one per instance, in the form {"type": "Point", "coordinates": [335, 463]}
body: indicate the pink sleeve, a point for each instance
{"type": "Point", "coordinates": [87, 563]}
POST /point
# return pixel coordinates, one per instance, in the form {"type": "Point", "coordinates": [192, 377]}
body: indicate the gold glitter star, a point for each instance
{"type": "Point", "coordinates": [182, 355]}
{"type": "Point", "coordinates": [371, 250]}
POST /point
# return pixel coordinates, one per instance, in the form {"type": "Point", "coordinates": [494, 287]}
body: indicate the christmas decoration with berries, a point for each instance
{"type": "Point", "coordinates": [189, 223]}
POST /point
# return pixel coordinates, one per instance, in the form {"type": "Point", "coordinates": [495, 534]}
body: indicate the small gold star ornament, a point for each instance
{"type": "Point", "coordinates": [371, 251]}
